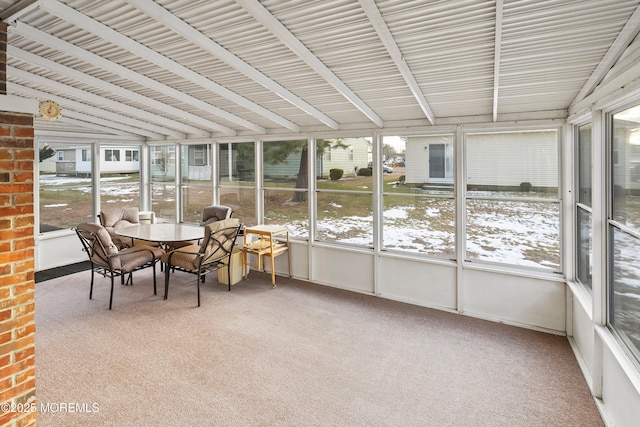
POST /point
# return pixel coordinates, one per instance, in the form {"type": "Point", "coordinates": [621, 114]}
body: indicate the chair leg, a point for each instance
{"type": "Point", "coordinates": [198, 281]}
{"type": "Point", "coordinates": [166, 281]}
{"type": "Point", "coordinates": [199, 278]}
{"type": "Point", "coordinates": [229, 274]}
{"type": "Point", "coordinates": [91, 288]}
{"type": "Point", "coordinates": [155, 291]}
{"type": "Point", "coordinates": [111, 294]}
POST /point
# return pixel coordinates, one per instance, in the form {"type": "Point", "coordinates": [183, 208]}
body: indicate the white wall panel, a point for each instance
{"type": "Point", "coordinates": [621, 398]}
{"type": "Point", "coordinates": [514, 299]}
{"type": "Point", "coordinates": [343, 268]}
{"type": "Point", "coordinates": [583, 334]}
{"type": "Point", "coordinates": [299, 261]}
{"type": "Point", "coordinates": [56, 249]}
{"type": "Point", "coordinates": [417, 282]}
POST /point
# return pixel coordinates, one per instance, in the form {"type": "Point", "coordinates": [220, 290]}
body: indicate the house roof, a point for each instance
{"type": "Point", "coordinates": [187, 69]}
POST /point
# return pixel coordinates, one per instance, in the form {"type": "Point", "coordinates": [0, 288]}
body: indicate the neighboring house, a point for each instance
{"type": "Point", "coordinates": [353, 156]}
{"type": "Point", "coordinates": [77, 161]}
{"type": "Point", "coordinates": [196, 162]}
{"type": "Point", "coordinates": [626, 157]}
{"type": "Point", "coordinates": [429, 159]}
{"type": "Point", "coordinates": [530, 157]}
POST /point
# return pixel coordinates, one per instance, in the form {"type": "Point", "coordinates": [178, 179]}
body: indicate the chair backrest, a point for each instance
{"type": "Point", "coordinates": [219, 239]}
{"type": "Point", "coordinates": [118, 218]}
{"type": "Point", "coordinates": [98, 244]}
{"type": "Point", "coordinates": [211, 214]}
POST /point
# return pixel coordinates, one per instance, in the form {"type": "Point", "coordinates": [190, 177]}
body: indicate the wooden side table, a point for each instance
{"type": "Point", "coordinates": [271, 241]}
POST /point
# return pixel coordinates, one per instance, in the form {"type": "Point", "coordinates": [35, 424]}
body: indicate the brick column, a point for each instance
{"type": "Point", "coordinates": [17, 303]}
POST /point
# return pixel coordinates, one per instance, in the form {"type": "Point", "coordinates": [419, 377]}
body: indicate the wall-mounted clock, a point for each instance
{"type": "Point", "coordinates": [50, 110]}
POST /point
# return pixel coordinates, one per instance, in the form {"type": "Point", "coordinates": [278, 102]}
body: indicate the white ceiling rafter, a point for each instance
{"type": "Point", "coordinates": [77, 119]}
{"type": "Point", "coordinates": [57, 136]}
{"type": "Point", "coordinates": [622, 41]}
{"type": "Point", "coordinates": [376, 19]}
{"type": "Point", "coordinates": [496, 58]}
{"type": "Point", "coordinates": [262, 15]}
{"type": "Point", "coordinates": [126, 111]}
{"type": "Point", "coordinates": [74, 17]}
{"type": "Point", "coordinates": [97, 115]}
{"type": "Point", "coordinates": [18, 9]}
{"type": "Point", "coordinates": [182, 28]}
{"type": "Point", "coordinates": [55, 43]}
{"type": "Point", "coordinates": [93, 81]}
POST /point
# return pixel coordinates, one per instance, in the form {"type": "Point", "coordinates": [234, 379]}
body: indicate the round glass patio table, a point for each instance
{"type": "Point", "coordinates": [164, 234]}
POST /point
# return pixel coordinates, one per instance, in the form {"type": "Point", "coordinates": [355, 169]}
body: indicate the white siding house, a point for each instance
{"type": "Point", "coordinates": [351, 154]}
{"type": "Point", "coordinates": [429, 159]}
{"type": "Point", "coordinates": [77, 161]}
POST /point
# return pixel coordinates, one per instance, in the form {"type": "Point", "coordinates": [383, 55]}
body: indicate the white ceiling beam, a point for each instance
{"type": "Point", "coordinates": [97, 115]}
{"type": "Point", "coordinates": [53, 136]}
{"type": "Point", "coordinates": [39, 36]}
{"type": "Point", "coordinates": [179, 26]}
{"type": "Point", "coordinates": [262, 15]}
{"type": "Point", "coordinates": [376, 19]}
{"type": "Point", "coordinates": [74, 17]}
{"type": "Point", "coordinates": [85, 96]}
{"type": "Point", "coordinates": [76, 119]}
{"type": "Point", "coordinates": [496, 57]}
{"type": "Point", "coordinates": [16, 10]}
{"type": "Point", "coordinates": [617, 48]}
{"type": "Point", "coordinates": [117, 90]}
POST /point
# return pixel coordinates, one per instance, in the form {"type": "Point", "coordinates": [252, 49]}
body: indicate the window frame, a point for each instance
{"type": "Point", "coordinates": [581, 207]}
{"type": "Point", "coordinates": [613, 225]}
{"type": "Point", "coordinates": [556, 200]}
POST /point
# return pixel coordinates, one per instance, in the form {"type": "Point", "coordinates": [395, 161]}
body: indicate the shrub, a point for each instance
{"type": "Point", "coordinates": [365, 172]}
{"type": "Point", "coordinates": [335, 174]}
{"type": "Point", "coordinates": [525, 187]}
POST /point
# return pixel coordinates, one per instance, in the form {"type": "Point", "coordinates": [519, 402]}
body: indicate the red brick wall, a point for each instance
{"type": "Point", "coordinates": [17, 303]}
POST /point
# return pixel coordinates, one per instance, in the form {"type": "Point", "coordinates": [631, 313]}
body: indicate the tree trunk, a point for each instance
{"type": "Point", "coordinates": [303, 177]}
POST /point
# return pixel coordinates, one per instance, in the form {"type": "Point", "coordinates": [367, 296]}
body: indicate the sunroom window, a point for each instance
{"type": "Point", "coordinates": [624, 228]}
{"type": "Point", "coordinates": [344, 211]}
{"type": "Point", "coordinates": [512, 198]}
{"type": "Point", "coordinates": [196, 181]}
{"type": "Point", "coordinates": [286, 185]}
{"type": "Point", "coordinates": [584, 230]}
{"type": "Point", "coordinates": [163, 184]}
{"type": "Point", "coordinates": [418, 195]}
{"type": "Point", "coordinates": [237, 179]}
{"type": "Point", "coordinates": [65, 186]}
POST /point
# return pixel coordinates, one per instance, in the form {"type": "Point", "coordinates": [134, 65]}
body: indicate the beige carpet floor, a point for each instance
{"type": "Point", "coordinates": [297, 355]}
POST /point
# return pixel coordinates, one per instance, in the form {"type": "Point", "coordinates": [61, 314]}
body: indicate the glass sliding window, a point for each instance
{"type": "Point", "coordinates": [584, 233]}
{"type": "Point", "coordinates": [512, 198]}
{"type": "Point", "coordinates": [237, 180]}
{"type": "Point", "coordinates": [624, 228]}
{"type": "Point", "coordinates": [163, 182]}
{"type": "Point", "coordinates": [119, 180]}
{"type": "Point", "coordinates": [625, 167]}
{"type": "Point", "coordinates": [65, 186]}
{"type": "Point", "coordinates": [286, 185]}
{"type": "Point", "coordinates": [418, 195]}
{"type": "Point", "coordinates": [196, 181]}
{"type": "Point", "coordinates": [344, 183]}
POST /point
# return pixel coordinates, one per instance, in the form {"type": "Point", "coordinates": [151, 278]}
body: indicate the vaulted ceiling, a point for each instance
{"type": "Point", "coordinates": [187, 69]}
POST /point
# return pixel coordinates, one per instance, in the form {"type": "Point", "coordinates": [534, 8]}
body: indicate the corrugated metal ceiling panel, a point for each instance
{"type": "Point", "coordinates": [548, 50]}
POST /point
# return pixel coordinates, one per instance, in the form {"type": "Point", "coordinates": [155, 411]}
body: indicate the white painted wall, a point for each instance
{"type": "Point", "coordinates": [344, 268]}
{"type": "Point", "coordinates": [57, 249]}
{"type": "Point", "coordinates": [417, 282]}
{"type": "Point", "coordinates": [518, 300]}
